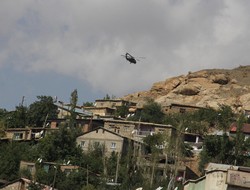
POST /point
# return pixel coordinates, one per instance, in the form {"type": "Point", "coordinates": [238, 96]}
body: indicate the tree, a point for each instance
{"type": "Point", "coordinates": [239, 142]}
{"type": "Point", "coordinates": [108, 97]}
{"type": "Point", "coordinates": [73, 104]}
{"type": "Point", "coordinates": [218, 149]}
{"type": "Point", "coordinates": [89, 187]}
{"type": "Point", "coordinates": [152, 112]}
{"type": "Point", "coordinates": [10, 156]}
{"type": "Point", "coordinates": [122, 111]}
{"type": "Point", "coordinates": [41, 110]}
{"type": "Point", "coordinates": [17, 118]}
{"type": "Point", "coordinates": [59, 146]}
{"type": "Point", "coordinates": [225, 117]}
{"type": "Point", "coordinates": [88, 104]}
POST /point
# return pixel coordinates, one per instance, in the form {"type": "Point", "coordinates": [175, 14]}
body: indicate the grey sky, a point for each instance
{"type": "Point", "coordinates": [53, 47]}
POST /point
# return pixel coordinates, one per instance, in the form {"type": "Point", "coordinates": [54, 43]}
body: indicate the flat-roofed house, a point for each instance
{"type": "Point", "coordinates": [113, 103]}
{"type": "Point", "coordinates": [25, 134]}
{"type": "Point", "coordinates": [180, 108]}
{"type": "Point", "coordinates": [101, 111]}
{"type": "Point", "coordinates": [137, 130]}
{"type": "Point", "coordinates": [31, 167]}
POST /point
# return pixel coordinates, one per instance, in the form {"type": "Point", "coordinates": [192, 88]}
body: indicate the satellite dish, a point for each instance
{"type": "Point", "coordinates": [40, 160]}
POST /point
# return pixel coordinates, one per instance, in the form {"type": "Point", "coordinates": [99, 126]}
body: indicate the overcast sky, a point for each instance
{"type": "Point", "coordinates": [53, 47]}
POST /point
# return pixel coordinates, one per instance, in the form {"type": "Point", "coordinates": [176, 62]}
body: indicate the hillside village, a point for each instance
{"type": "Point", "coordinates": [167, 155]}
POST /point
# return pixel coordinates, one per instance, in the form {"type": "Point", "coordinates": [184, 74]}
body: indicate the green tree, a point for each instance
{"type": "Point", "coordinates": [217, 149]}
{"type": "Point", "coordinates": [122, 111]}
{"type": "Point", "coordinates": [41, 110]}
{"type": "Point", "coordinates": [59, 146]}
{"type": "Point", "coordinates": [241, 144]}
{"type": "Point", "coordinates": [88, 104]}
{"type": "Point", "coordinates": [10, 156]}
{"type": "Point", "coordinates": [89, 187]}
{"type": "Point", "coordinates": [73, 104]}
{"type": "Point", "coordinates": [108, 97]}
{"type": "Point", "coordinates": [151, 112]}
{"type": "Point", "coordinates": [73, 180]}
{"type": "Point", "coordinates": [225, 117]}
{"type": "Point", "coordinates": [17, 118]}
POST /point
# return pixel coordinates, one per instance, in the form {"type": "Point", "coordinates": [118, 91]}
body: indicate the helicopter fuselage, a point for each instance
{"type": "Point", "coordinates": [130, 58]}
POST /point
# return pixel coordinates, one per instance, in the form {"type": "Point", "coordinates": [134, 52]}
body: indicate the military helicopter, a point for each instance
{"type": "Point", "coordinates": [131, 58]}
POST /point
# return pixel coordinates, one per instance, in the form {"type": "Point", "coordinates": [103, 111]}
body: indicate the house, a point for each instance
{"type": "Point", "coordinates": [131, 129]}
{"type": "Point", "coordinates": [194, 140]}
{"type": "Point", "coordinates": [164, 168]}
{"type": "Point", "coordinates": [31, 167]}
{"type": "Point", "coordinates": [107, 107]}
{"type": "Point", "coordinates": [110, 141]}
{"type": "Point", "coordinates": [22, 184]}
{"type": "Point", "coordinates": [137, 130]}
{"type": "Point", "coordinates": [180, 108]}
{"type": "Point", "coordinates": [113, 103]}
{"type": "Point", "coordinates": [247, 113]}
{"type": "Point", "coordinates": [25, 134]}
{"type": "Point", "coordinates": [221, 177]}
{"type": "Point", "coordinates": [101, 111]}
{"type": "Point", "coordinates": [86, 124]}
{"type": "Point", "coordinates": [245, 129]}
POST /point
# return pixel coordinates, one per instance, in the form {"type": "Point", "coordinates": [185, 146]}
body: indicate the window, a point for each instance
{"type": "Point", "coordinates": [111, 126]}
{"type": "Point", "coordinates": [67, 171]}
{"type": "Point", "coordinates": [182, 110]}
{"type": "Point", "coordinates": [82, 143]}
{"type": "Point", "coordinates": [160, 146]}
{"type": "Point", "coordinates": [30, 168]}
{"type": "Point", "coordinates": [113, 145]}
{"type": "Point", "coordinates": [126, 128]}
{"type": "Point", "coordinates": [97, 144]}
{"type": "Point", "coordinates": [18, 136]}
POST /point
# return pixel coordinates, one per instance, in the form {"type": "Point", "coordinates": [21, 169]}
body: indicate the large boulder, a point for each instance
{"type": "Point", "coordinates": [220, 79]}
{"type": "Point", "coordinates": [188, 89]}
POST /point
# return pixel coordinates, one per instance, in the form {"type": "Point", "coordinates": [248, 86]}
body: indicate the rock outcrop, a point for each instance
{"type": "Point", "coordinates": [206, 88]}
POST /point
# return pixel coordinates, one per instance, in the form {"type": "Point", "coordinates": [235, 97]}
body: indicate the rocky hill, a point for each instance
{"type": "Point", "coordinates": [205, 88]}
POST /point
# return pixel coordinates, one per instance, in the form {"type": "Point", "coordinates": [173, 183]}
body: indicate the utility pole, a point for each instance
{"type": "Point", "coordinates": [22, 101]}
{"type": "Point", "coordinates": [54, 180]}
{"type": "Point", "coordinates": [87, 175]}
{"type": "Point", "coordinates": [117, 167]}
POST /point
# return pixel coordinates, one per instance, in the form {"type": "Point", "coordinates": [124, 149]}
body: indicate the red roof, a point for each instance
{"type": "Point", "coordinates": [245, 127]}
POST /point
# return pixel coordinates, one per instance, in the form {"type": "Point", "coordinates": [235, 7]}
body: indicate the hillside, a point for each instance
{"type": "Point", "coordinates": [205, 88]}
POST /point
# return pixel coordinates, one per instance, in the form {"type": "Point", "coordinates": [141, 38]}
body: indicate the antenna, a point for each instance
{"type": "Point", "coordinates": [55, 99]}
{"type": "Point", "coordinates": [22, 101]}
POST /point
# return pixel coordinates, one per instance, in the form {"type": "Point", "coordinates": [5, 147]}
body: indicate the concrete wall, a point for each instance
{"type": "Point", "coordinates": [199, 185]}
{"type": "Point", "coordinates": [110, 141]}
{"type": "Point", "coordinates": [216, 180]}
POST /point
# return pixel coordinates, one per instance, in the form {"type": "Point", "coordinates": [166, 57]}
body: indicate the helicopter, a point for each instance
{"type": "Point", "coordinates": [131, 58]}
